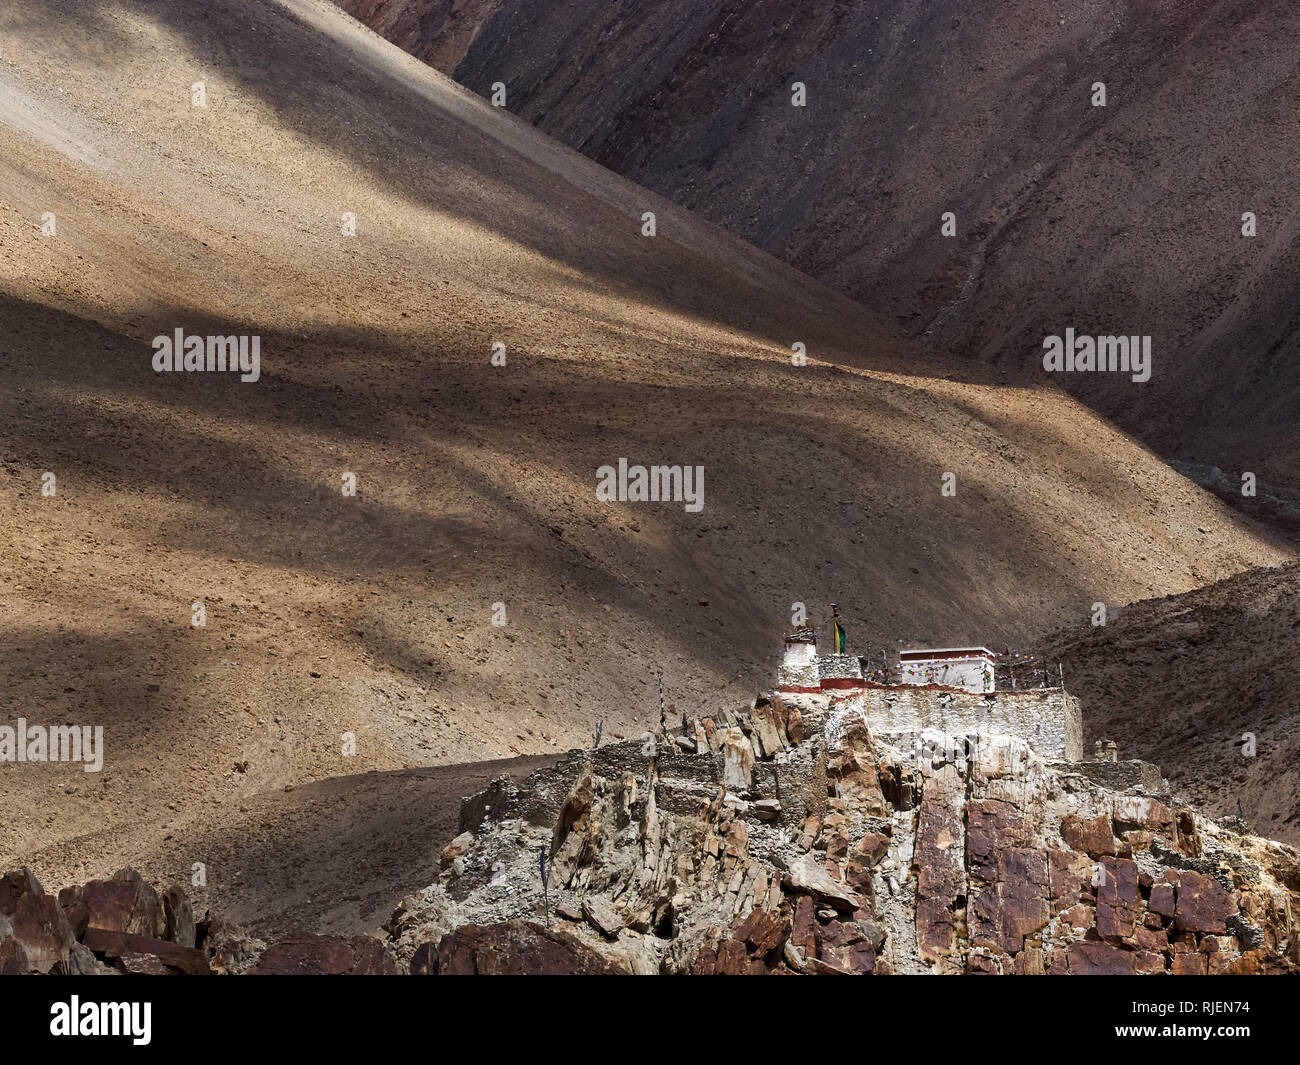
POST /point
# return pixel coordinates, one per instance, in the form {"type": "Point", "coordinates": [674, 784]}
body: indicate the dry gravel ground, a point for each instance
{"type": "Point", "coordinates": [370, 616]}
{"type": "Point", "coordinates": [1125, 218]}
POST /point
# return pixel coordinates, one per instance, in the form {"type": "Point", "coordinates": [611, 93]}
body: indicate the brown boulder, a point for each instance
{"type": "Point", "coordinates": [1203, 905]}
{"type": "Point", "coordinates": [1149, 939]}
{"type": "Point", "coordinates": [763, 932]}
{"type": "Point", "coordinates": [178, 917]}
{"type": "Point", "coordinates": [1099, 959]}
{"type": "Point", "coordinates": [981, 963]}
{"type": "Point", "coordinates": [424, 962]}
{"type": "Point", "coordinates": [1091, 836]}
{"type": "Point", "coordinates": [859, 878]}
{"type": "Point", "coordinates": [1142, 813]}
{"type": "Point", "coordinates": [457, 848]}
{"type": "Point", "coordinates": [805, 876]}
{"type": "Point", "coordinates": [1186, 834]}
{"type": "Point", "coordinates": [143, 965]}
{"type": "Point", "coordinates": [755, 946]}
{"type": "Point", "coordinates": [803, 933]}
{"type": "Point", "coordinates": [728, 958]}
{"type": "Point", "coordinates": [124, 903]}
{"type": "Point", "coordinates": [519, 948]}
{"type": "Point", "coordinates": [40, 928]}
{"type": "Point", "coordinates": [850, 944]}
{"type": "Point", "coordinates": [737, 761]}
{"type": "Point", "coordinates": [769, 729]}
{"type": "Point", "coordinates": [74, 908]}
{"type": "Point", "coordinates": [146, 954]}
{"type": "Point", "coordinates": [14, 885]}
{"type": "Point", "coordinates": [13, 958]}
{"type": "Point", "coordinates": [871, 847]}
{"type": "Point", "coordinates": [794, 725]}
{"type": "Point", "coordinates": [317, 955]}
{"type": "Point", "coordinates": [601, 916]}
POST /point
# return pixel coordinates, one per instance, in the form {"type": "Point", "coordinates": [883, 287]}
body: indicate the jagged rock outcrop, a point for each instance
{"type": "Point", "coordinates": [746, 846]}
{"type": "Point", "coordinates": [513, 948]}
{"type": "Point", "coordinates": [122, 925]}
{"type": "Point", "coordinates": [835, 853]}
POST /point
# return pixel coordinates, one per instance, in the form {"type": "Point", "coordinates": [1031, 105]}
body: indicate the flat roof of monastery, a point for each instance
{"type": "Point", "coordinates": [947, 652]}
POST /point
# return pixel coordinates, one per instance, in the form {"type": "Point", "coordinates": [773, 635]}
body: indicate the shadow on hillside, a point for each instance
{"type": "Point", "coordinates": [422, 151]}
{"type": "Point", "coordinates": [462, 459]}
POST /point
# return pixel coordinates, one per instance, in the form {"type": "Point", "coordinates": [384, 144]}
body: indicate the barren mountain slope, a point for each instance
{"type": "Point", "coordinates": [1118, 219]}
{"type": "Point", "coordinates": [370, 616]}
{"type": "Point", "coordinates": [1182, 680]}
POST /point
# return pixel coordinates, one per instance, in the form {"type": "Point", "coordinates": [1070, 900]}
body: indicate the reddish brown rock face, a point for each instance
{"type": "Point", "coordinates": [990, 873]}
{"type": "Point", "coordinates": [1009, 882]}
{"type": "Point", "coordinates": [1162, 896]}
{"type": "Point", "coordinates": [794, 726]}
{"type": "Point", "coordinates": [179, 917]}
{"type": "Point", "coordinates": [851, 768]}
{"type": "Point", "coordinates": [804, 932]}
{"type": "Point", "coordinates": [132, 953]}
{"type": "Point", "coordinates": [1092, 836]}
{"type": "Point", "coordinates": [1099, 959]}
{"type": "Point", "coordinates": [848, 943]}
{"type": "Point", "coordinates": [1189, 965]}
{"type": "Point", "coordinates": [326, 956]}
{"type": "Point", "coordinates": [940, 864]}
{"type": "Point", "coordinates": [1068, 873]}
{"type": "Point", "coordinates": [517, 948]}
{"type": "Point", "coordinates": [1203, 905]}
{"type": "Point", "coordinates": [13, 958]}
{"type": "Point", "coordinates": [980, 964]}
{"type": "Point", "coordinates": [763, 933]}
{"type": "Point", "coordinates": [754, 947]}
{"type": "Point", "coordinates": [1013, 904]}
{"type": "Point", "coordinates": [125, 903]}
{"type": "Point", "coordinates": [14, 886]}
{"type": "Point", "coordinates": [1142, 813]}
{"type": "Point", "coordinates": [41, 931]}
{"type": "Point", "coordinates": [1117, 898]}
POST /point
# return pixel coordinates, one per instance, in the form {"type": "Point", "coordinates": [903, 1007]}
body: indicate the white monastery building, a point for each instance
{"type": "Point", "coordinates": [952, 667]}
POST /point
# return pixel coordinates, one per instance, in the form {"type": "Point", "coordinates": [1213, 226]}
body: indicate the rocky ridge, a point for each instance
{"type": "Point", "coordinates": [768, 841]}
{"type": "Point", "coordinates": [775, 842]}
